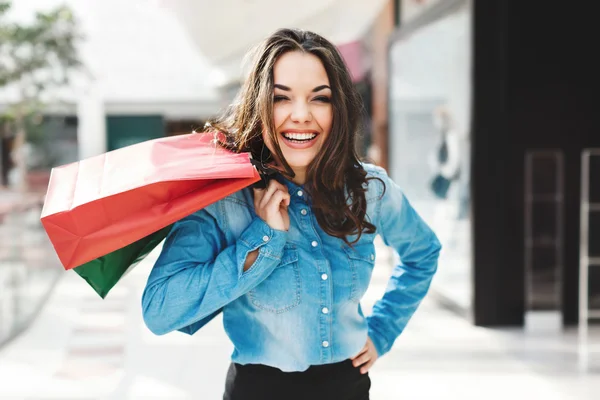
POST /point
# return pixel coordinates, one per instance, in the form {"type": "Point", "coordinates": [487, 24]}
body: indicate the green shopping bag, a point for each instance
{"type": "Point", "coordinates": [103, 273]}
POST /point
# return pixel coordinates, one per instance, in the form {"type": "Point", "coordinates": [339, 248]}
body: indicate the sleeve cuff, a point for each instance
{"type": "Point", "coordinates": [378, 339]}
{"type": "Point", "coordinates": [269, 242]}
{"type": "Point", "coordinates": [259, 235]}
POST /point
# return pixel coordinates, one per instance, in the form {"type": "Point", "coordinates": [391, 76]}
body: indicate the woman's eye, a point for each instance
{"type": "Point", "coordinates": [279, 98]}
{"type": "Point", "coordinates": [323, 99]}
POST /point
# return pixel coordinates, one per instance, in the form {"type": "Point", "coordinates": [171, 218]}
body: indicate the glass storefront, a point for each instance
{"type": "Point", "coordinates": [430, 94]}
{"type": "Point", "coordinates": [29, 266]}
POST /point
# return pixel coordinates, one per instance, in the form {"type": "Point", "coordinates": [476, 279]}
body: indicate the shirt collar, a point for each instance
{"type": "Point", "coordinates": [292, 187]}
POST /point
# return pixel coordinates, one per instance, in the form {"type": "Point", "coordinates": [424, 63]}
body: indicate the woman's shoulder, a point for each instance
{"type": "Point", "coordinates": [242, 198]}
{"type": "Point", "coordinates": [374, 170]}
{"type": "Point", "coordinates": [232, 203]}
{"type": "Point", "coordinates": [377, 178]}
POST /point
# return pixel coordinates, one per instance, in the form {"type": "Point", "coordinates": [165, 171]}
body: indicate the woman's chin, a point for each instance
{"type": "Point", "coordinates": [299, 163]}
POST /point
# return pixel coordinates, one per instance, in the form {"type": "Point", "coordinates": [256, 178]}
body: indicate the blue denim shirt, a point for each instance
{"type": "Point", "coordinates": [299, 303]}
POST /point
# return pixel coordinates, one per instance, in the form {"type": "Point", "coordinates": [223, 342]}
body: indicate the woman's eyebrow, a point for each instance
{"type": "Point", "coordinates": [287, 89]}
{"type": "Point", "coordinates": [319, 88]}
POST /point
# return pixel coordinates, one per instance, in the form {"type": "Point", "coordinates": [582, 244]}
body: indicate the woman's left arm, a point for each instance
{"type": "Point", "coordinates": [418, 247]}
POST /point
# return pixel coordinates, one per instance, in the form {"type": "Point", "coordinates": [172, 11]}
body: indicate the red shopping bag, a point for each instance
{"type": "Point", "coordinates": [105, 203]}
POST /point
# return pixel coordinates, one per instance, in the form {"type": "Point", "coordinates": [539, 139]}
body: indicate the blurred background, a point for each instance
{"type": "Point", "coordinates": [483, 111]}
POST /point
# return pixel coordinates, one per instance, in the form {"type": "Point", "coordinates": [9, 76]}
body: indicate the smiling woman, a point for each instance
{"type": "Point", "coordinates": [302, 110]}
{"type": "Point", "coordinates": [300, 86]}
{"type": "Point", "coordinates": [288, 265]}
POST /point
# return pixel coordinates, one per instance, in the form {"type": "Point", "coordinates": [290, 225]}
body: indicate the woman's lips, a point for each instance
{"type": "Point", "coordinates": [299, 145]}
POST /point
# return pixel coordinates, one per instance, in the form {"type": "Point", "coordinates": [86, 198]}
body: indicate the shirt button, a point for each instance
{"type": "Point", "coordinates": [324, 277]}
{"type": "Point", "coordinates": [325, 310]}
{"type": "Point", "coordinates": [265, 238]}
{"type": "Point", "coordinates": [303, 212]}
{"type": "Point", "coordinates": [300, 193]}
{"type": "Point", "coordinates": [372, 257]}
{"type": "Point", "coordinates": [325, 344]}
{"type": "Point", "coordinates": [314, 243]}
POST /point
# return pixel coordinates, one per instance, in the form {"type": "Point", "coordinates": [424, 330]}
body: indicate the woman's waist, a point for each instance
{"type": "Point", "coordinates": [315, 371]}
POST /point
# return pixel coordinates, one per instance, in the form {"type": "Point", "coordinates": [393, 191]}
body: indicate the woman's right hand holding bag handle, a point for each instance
{"type": "Point", "coordinates": [271, 206]}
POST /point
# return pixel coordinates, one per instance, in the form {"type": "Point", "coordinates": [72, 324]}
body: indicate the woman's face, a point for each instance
{"type": "Point", "coordinates": [302, 109]}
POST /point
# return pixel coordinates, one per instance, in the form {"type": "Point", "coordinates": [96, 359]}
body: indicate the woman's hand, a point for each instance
{"type": "Point", "coordinates": [271, 205]}
{"type": "Point", "coordinates": [366, 357]}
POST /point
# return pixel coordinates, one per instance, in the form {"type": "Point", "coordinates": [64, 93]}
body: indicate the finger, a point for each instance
{"type": "Point", "coordinates": [276, 200]}
{"type": "Point", "coordinates": [362, 359]}
{"type": "Point", "coordinates": [360, 352]}
{"type": "Point", "coordinates": [271, 188]}
{"type": "Point", "coordinates": [286, 202]}
{"type": "Point", "coordinates": [258, 195]}
{"type": "Point", "coordinates": [277, 185]}
{"type": "Point", "coordinates": [365, 368]}
{"type": "Point", "coordinates": [268, 192]}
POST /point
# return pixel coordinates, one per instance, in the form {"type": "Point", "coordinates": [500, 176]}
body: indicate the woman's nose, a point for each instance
{"type": "Point", "coordinates": [301, 112]}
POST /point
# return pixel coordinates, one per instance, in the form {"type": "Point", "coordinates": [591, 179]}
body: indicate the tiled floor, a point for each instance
{"type": "Point", "coordinates": [82, 347]}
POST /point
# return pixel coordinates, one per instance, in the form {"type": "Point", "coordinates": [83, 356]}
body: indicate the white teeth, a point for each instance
{"type": "Point", "coordinates": [299, 136]}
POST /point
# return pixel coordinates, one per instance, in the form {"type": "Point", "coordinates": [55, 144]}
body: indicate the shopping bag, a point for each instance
{"type": "Point", "coordinates": [106, 213]}
{"type": "Point", "coordinates": [104, 272]}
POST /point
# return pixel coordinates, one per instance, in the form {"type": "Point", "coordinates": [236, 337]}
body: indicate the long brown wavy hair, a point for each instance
{"type": "Point", "coordinates": [336, 181]}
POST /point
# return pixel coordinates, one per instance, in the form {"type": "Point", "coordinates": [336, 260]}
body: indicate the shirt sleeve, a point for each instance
{"type": "Point", "coordinates": [418, 247]}
{"type": "Point", "coordinates": [197, 274]}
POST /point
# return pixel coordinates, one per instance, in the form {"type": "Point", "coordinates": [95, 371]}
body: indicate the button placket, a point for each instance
{"type": "Point", "coordinates": [325, 311]}
{"type": "Point", "coordinates": [323, 275]}
{"type": "Point", "coordinates": [300, 201]}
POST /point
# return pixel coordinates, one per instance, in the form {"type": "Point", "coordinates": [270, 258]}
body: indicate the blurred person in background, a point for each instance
{"type": "Point", "coordinates": [288, 265]}
{"type": "Point", "coordinates": [445, 161]}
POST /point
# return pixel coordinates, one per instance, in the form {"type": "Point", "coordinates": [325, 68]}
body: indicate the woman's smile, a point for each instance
{"type": "Point", "coordinates": [299, 139]}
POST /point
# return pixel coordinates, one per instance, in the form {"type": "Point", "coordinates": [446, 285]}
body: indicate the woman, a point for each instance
{"type": "Point", "coordinates": [445, 160]}
{"type": "Point", "coordinates": [288, 265]}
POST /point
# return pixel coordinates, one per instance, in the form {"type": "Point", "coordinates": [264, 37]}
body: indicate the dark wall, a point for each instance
{"type": "Point", "coordinates": [534, 88]}
{"type": "Point", "coordinates": [498, 288]}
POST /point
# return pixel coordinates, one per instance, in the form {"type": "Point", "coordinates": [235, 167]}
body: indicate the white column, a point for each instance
{"type": "Point", "coordinates": [91, 129]}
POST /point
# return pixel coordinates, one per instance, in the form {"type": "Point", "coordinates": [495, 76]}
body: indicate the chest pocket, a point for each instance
{"type": "Point", "coordinates": [361, 259]}
{"type": "Point", "coordinates": [280, 292]}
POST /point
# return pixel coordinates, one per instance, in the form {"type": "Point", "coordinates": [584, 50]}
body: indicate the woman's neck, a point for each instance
{"type": "Point", "coordinates": [299, 177]}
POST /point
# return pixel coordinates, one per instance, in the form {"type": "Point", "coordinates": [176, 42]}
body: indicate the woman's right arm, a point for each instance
{"type": "Point", "coordinates": [196, 274]}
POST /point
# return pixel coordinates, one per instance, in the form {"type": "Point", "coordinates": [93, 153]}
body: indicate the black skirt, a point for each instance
{"type": "Point", "coordinates": [339, 381]}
